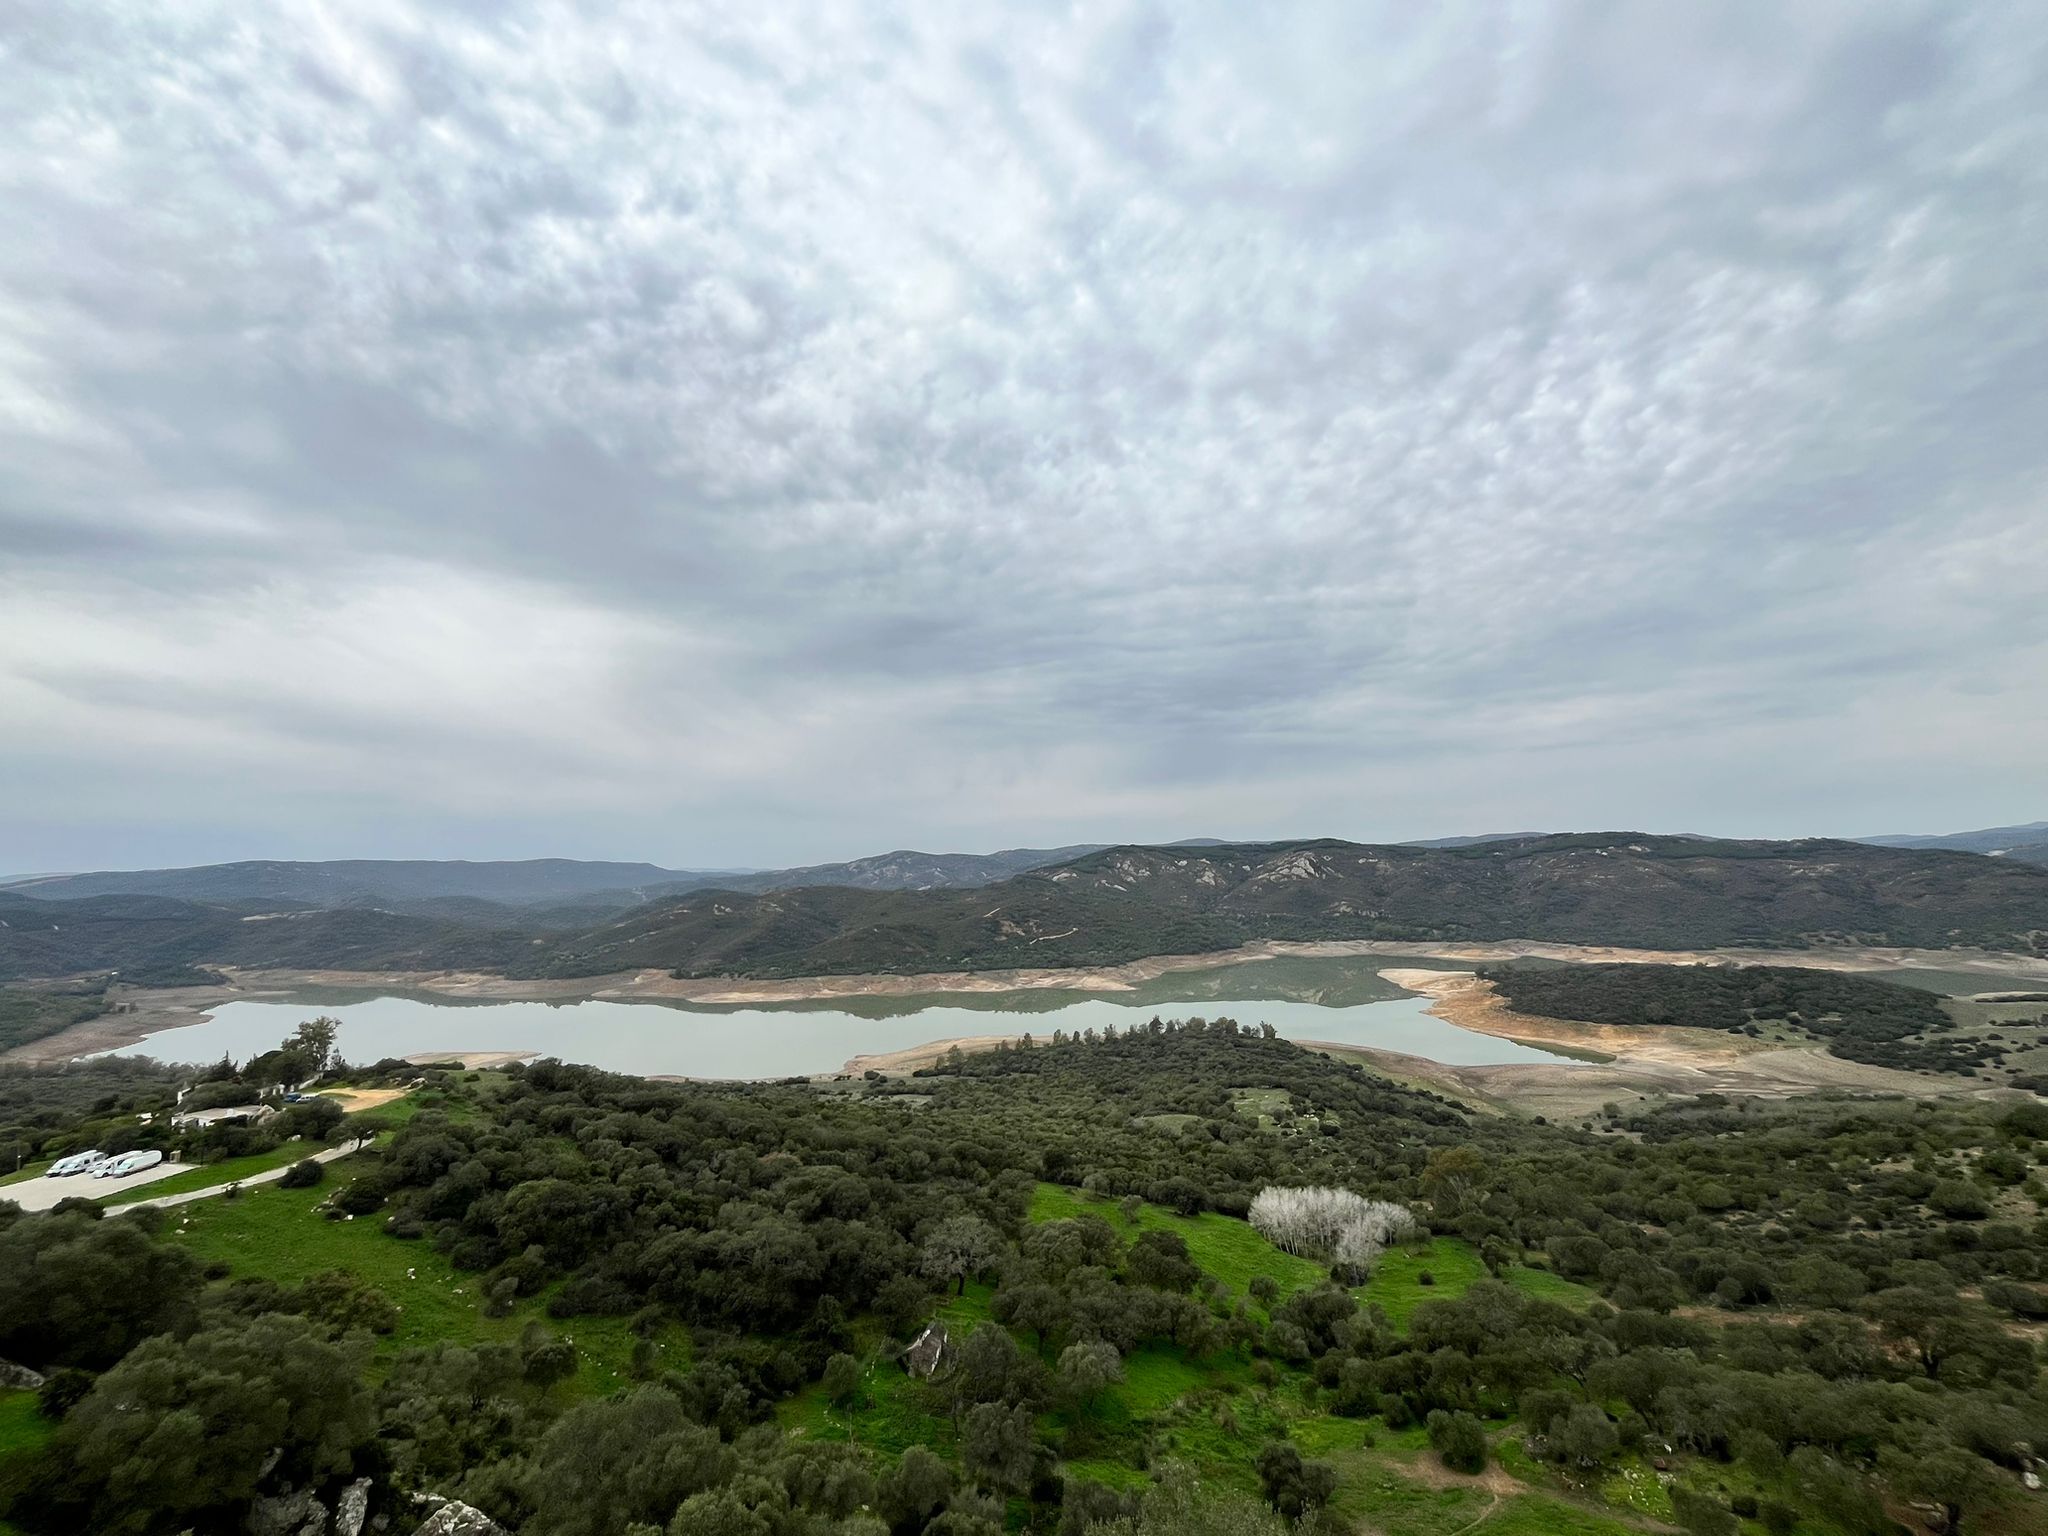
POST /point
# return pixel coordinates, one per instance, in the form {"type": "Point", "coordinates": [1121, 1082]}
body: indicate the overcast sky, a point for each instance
{"type": "Point", "coordinates": [744, 435]}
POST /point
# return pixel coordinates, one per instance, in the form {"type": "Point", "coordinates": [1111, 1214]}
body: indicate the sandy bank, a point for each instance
{"type": "Point", "coordinates": [144, 1011]}
{"type": "Point", "coordinates": [1646, 1061]}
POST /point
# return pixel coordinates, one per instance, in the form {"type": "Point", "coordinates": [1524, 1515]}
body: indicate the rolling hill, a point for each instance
{"type": "Point", "coordinates": [1123, 903]}
{"type": "Point", "coordinates": [1999, 840]}
{"type": "Point", "coordinates": [373, 882]}
{"type": "Point", "coordinates": [908, 870]}
{"type": "Point", "coordinates": [155, 938]}
{"type": "Point", "coordinates": [1109, 906]}
{"type": "Point", "coordinates": [458, 887]}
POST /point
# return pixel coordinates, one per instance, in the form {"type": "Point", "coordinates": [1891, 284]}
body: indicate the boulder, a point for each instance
{"type": "Point", "coordinates": [19, 1377]}
{"type": "Point", "coordinates": [930, 1354]}
{"type": "Point", "coordinates": [352, 1508]}
{"type": "Point", "coordinates": [287, 1514]}
{"type": "Point", "coordinates": [455, 1518]}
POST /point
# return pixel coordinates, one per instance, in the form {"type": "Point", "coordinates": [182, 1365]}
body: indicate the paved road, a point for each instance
{"type": "Point", "coordinates": [268, 1176]}
{"type": "Point", "coordinates": [41, 1194]}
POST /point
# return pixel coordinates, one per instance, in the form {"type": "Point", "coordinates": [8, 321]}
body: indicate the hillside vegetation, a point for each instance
{"type": "Point", "coordinates": [1108, 907]}
{"type": "Point", "coordinates": [159, 941]}
{"type": "Point", "coordinates": [364, 882]}
{"type": "Point", "coordinates": [595, 1306]}
{"type": "Point", "coordinates": [494, 885]}
{"type": "Point", "coordinates": [1125, 903]}
{"type": "Point", "coordinates": [1859, 1018]}
{"type": "Point", "coordinates": [31, 1013]}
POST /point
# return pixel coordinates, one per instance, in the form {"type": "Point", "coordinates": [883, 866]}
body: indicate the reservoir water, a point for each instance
{"type": "Point", "coordinates": [724, 1042]}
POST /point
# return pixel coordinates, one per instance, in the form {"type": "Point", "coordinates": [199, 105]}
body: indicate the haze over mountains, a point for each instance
{"type": "Point", "coordinates": [1031, 908]}
{"type": "Point", "coordinates": [524, 882]}
{"type": "Point", "coordinates": [2029, 841]}
{"type": "Point", "coordinates": [455, 886]}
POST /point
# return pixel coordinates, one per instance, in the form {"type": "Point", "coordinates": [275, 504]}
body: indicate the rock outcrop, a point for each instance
{"type": "Point", "coordinates": [455, 1518]}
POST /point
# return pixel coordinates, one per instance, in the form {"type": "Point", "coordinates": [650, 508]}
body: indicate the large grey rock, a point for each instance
{"type": "Point", "coordinates": [458, 1519]}
{"type": "Point", "coordinates": [930, 1355]}
{"type": "Point", "coordinates": [289, 1514]}
{"type": "Point", "coordinates": [351, 1508]}
{"type": "Point", "coordinates": [19, 1377]}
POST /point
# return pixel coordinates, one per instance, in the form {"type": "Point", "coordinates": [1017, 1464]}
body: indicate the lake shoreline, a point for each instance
{"type": "Point", "coordinates": [647, 1038]}
{"type": "Point", "coordinates": [144, 1012]}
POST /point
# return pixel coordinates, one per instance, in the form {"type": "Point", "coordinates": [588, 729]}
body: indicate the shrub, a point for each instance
{"type": "Point", "coordinates": [360, 1197]}
{"type": "Point", "coordinates": [1702, 1514]}
{"type": "Point", "coordinates": [841, 1379]}
{"type": "Point", "coordinates": [303, 1175]}
{"type": "Point", "coordinates": [61, 1389]}
{"type": "Point", "coordinates": [1292, 1486]}
{"type": "Point", "coordinates": [1959, 1201]}
{"type": "Point", "coordinates": [1459, 1439]}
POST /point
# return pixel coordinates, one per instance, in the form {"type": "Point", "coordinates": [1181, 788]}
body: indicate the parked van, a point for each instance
{"type": "Point", "coordinates": [77, 1162]}
{"type": "Point", "coordinates": [127, 1163]}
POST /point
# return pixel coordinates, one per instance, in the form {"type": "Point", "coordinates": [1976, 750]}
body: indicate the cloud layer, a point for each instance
{"type": "Point", "coordinates": [744, 438]}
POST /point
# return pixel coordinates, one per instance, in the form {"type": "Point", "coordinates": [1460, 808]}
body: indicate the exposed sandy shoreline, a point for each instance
{"type": "Point", "coordinates": [1647, 1061]}
{"type": "Point", "coordinates": [1644, 1060]}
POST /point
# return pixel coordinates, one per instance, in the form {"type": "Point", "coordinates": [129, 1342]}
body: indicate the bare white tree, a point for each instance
{"type": "Point", "coordinates": [1338, 1225]}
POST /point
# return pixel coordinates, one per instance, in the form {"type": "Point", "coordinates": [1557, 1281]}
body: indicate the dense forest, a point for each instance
{"type": "Point", "coordinates": [1859, 1018]}
{"type": "Point", "coordinates": [1821, 1315]}
{"type": "Point", "coordinates": [30, 1013]}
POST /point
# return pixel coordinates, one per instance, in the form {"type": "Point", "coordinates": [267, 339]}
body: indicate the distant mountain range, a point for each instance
{"type": "Point", "coordinates": [371, 882]}
{"type": "Point", "coordinates": [1100, 906]}
{"type": "Point", "coordinates": [2029, 842]}
{"type": "Point", "coordinates": [406, 884]}
{"type": "Point", "coordinates": [567, 892]}
{"type": "Point", "coordinates": [1471, 841]}
{"type": "Point", "coordinates": [564, 889]}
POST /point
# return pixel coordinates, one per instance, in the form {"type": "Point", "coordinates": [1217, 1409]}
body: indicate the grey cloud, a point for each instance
{"type": "Point", "coordinates": [924, 422]}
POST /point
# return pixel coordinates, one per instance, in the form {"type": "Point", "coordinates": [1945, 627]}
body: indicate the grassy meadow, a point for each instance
{"type": "Point", "coordinates": [1213, 1411]}
{"type": "Point", "coordinates": [1217, 1411]}
{"type": "Point", "coordinates": [282, 1235]}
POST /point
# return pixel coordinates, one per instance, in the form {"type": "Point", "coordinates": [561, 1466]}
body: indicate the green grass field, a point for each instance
{"type": "Point", "coordinates": [1210, 1412]}
{"type": "Point", "coordinates": [1454, 1267]}
{"type": "Point", "coordinates": [206, 1176]}
{"type": "Point", "coordinates": [22, 1425]}
{"type": "Point", "coordinates": [896, 1412]}
{"type": "Point", "coordinates": [1233, 1252]}
{"type": "Point", "coordinates": [1222, 1245]}
{"type": "Point", "coordinates": [278, 1234]}
{"type": "Point", "coordinates": [22, 1428]}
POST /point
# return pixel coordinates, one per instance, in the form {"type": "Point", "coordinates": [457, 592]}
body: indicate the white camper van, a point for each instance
{"type": "Point", "coordinates": [77, 1162]}
{"type": "Point", "coordinates": [127, 1163]}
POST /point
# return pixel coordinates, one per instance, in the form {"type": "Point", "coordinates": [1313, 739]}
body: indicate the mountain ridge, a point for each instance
{"type": "Point", "coordinates": [1126, 902]}
{"type": "Point", "coordinates": [1107, 906]}
{"type": "Point", "coordinates": [1987, 840]}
